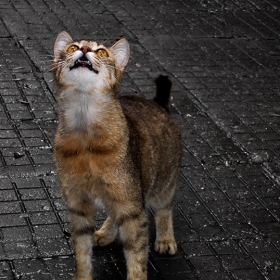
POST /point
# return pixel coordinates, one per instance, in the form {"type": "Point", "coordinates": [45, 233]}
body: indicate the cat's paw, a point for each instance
{"type": "Point", "coordinates": [102, 239]}
{"type": "Point", "coordinates": [166, 246]}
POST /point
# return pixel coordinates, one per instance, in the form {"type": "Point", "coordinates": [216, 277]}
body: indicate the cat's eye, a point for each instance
{"type": "Point", "coordinates": [102, 53]}
{"type": "Point", "coordinates": [72, 48]}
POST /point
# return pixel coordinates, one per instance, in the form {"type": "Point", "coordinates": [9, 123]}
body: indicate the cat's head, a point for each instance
{"type": "Point", "coordinates": [88, 65]}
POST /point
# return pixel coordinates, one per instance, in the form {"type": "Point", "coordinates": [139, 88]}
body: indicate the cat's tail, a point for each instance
{"type": "Point", "coordinates": [163, 89]}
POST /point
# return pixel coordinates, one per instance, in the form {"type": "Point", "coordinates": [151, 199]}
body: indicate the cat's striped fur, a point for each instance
{"type": "Point", "coordinates": [120, 152]}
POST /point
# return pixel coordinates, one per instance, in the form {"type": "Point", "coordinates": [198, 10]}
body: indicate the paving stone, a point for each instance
{"type": "Point", "coordinates": [37, 205]}
{"type": "Point", "coordinates": [247, 273]}
{"type": "Point", "coordinates": [12, 220]}
{"type": "Point", "coordinates": [42, 218]}
{"type": "Point", "coordinates": [214, 275]}
{"type": "Point", "coordinates": [48, 231]}
{"type": "Point", "coordinates": [20, 249]}
{"type": "Point", "coordinates": [10, 207]}
{"type": "Point", "coordinates": [61, 267]}
{"type": "Point", "coordinates": [234, 262]}
{"type": "Point", "coordinates": [29, 267]}
{"type": "Point", "coordinates": [5, 271]}
{"type": "Point", "coordinates": [53, 247]}
{"type": "Point", "coordinates": [192, 249]}
{"type": "Point", "coordinates": [206, 263]}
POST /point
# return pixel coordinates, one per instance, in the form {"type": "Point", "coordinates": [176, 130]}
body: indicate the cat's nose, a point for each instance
{"type": "Point", "coordinates": [85, 49]}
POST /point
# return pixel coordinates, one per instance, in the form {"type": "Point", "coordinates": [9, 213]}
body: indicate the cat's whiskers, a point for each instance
{"type": "Point", "coordinates": [53, 67]}
{"type": "Point", "coordinates": [113, 67]}
{"type": "Point", "coordinates": [50, 55]}
{"type": "Point", "coordinates": [104, 42]}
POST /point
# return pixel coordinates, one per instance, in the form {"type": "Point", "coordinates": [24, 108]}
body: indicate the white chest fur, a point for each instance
{"type": "Point", "coordinates": [81, 109]}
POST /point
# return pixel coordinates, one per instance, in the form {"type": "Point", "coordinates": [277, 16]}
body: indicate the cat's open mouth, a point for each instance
{"type": "Point", "coordinates": [83, 62]}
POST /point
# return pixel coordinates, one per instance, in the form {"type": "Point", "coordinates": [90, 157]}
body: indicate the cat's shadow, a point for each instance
{"type": "Point", "coordinates": [109, 261]}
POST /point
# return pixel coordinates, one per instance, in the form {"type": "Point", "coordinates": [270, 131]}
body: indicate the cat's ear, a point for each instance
{"type": "Point", "coordinates": [62, 40]}
{"type": "Point", "coordinates": [121, 53]}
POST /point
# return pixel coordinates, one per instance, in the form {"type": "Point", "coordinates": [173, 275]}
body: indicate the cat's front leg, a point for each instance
{"type": "Point", "coordinates": [134, 235]}
{"type": "Point", "coordinates": [83, 248]}
{"type": "Point", "coordinates": [82, 229]}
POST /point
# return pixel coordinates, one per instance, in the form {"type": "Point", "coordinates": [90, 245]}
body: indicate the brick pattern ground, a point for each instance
{"type": "Point", "coordinates": [223, 57]}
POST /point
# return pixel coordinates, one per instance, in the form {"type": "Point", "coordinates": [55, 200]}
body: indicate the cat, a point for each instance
{"type": "Point", "coordinates": [119, 152]}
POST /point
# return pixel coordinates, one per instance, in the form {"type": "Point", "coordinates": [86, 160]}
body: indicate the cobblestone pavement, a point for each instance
{"type": "Point", "coordinates": [223, 57]}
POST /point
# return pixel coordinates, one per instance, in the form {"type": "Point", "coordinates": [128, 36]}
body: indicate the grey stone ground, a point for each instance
{"type": "Point", "coordinates": [223, 57]}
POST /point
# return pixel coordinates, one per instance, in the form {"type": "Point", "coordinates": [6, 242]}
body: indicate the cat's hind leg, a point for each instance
{"type": "Point", "coordinates": [106, 234]}
{"type": "Point", "coordinates": [162, 205]}
{"type": "Point", "coordinates": [165, 241]}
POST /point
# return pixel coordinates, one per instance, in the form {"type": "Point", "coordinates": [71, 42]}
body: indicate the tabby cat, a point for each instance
{"type": "Point", "coordinates": [122, 153]}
